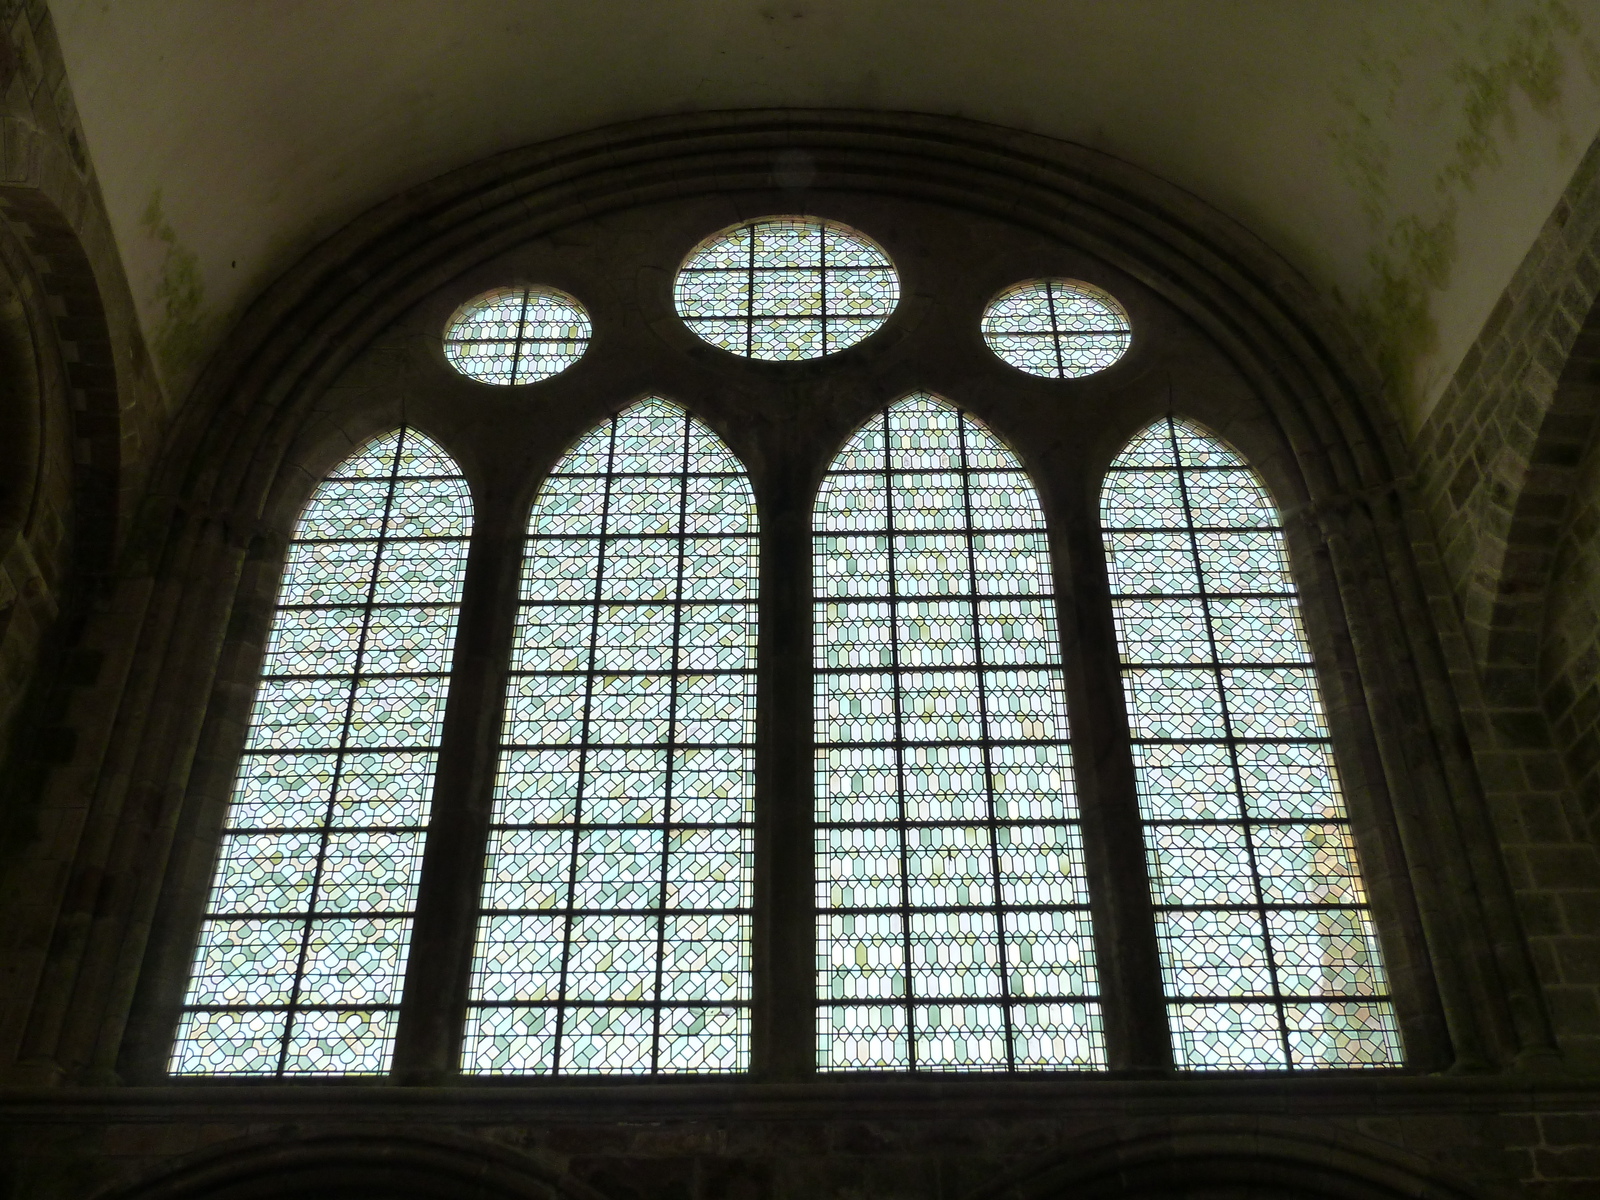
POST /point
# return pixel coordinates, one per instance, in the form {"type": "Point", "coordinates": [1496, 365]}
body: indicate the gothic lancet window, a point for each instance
{"type": "Point", "coordinates": [615, 933]}
{"type": "Point", "coordinates": [305, 937]}
{"type": "Point", "coordinates": [953, 932]}
{"type": "Point", "coordinates": [1267, 948]}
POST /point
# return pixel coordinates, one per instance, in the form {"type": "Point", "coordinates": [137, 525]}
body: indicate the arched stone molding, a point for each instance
{"type": "Point", "coordinates": [36, 477]}
{"type": "Point", "coordinates": [1559, 558]}
{"type": "Point", "coordinates": [226, 461]}
{"type": "Point", "coordinates": [1228, 1158]}
{"type": "Point", "coordinates": [74, 354]}
{"type": "Point", "coordinates": [48, 206]}
{"type": "Point", "coordinates": [354, 1165]}
{"type": "Point", "coordinates": [89, 355]}
{"type": "Point", "coordinates": [1488, 441]}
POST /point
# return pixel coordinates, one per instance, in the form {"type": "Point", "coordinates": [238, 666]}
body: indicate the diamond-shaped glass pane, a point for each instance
{"type": "Point", "coordinates": [304, 946]}
{"type": "Point", "coordinates": [1267, 949]}
{"type": "Point", "coordinates": [615, 928]}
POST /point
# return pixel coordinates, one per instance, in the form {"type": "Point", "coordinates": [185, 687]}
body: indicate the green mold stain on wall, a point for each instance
{"type": "Point", "coordinates": [1521, 51]}
{"type": "Point", "coordinates": [178, 339]}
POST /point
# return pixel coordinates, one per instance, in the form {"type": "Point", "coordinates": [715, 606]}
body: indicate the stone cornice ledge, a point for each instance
{"type": "Point", "coordinates": [605, 1100]}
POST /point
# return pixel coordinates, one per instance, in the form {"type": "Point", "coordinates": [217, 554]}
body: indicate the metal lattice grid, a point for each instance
{"type": "Point", "coordinates": [1267, 946]}
{"type": "Point", "coordinates": [786, 288]}
{"type": "Point", "coordinates": [303, 949]}
{"type": "Point", "coordinates": [953, 929]}
{"type": "Point", "coordinates": [517, 335]}
{"type": "Point", "coordinates": [1057, 328]}
{"type": "Point", "coordinates": [615, 930]}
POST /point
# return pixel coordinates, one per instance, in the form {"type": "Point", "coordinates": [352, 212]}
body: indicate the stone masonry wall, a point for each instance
{"type": "Point", "coordinates": [981, 1140]}
{"type": "Point", "coordinates": [1494, 467]}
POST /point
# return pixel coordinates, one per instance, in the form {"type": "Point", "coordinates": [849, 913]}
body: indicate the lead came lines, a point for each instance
{"type": "Point", "coordinates": [1319, 977]}
{"type": "Point", "coordinates": [579, 796]}
{"type": "Point", "coordinates": [1228, 735]}
{"type": "Point", "coordinates": [958, 922]}
{"type": "Point", "coordinates": [897, 700]}
{"type": "Point", "coordinates": [1003, 961]}
{"type": "Point", "coordinates": [356, 872]}
{"type": "Point", "coordinates": [338, 761]}
{"type": "Point", "coordinates": [641, 948]}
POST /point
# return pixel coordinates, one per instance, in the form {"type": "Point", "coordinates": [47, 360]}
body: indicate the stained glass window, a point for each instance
{"type": "Point", "coordinates": [1058, 328]}
{"type": "Point", "coordinates": [786, 288]}
{"type": "Point", "coordinates": [304, 943]}
{"type": "Point", "coordinates": [1267, 946]}
{"type": "Point", "coordinates": [517, 335]}
{"type": "Point", "coordinates": [953, 932]}
{"type": "Point", "coordinates": [615, 933]}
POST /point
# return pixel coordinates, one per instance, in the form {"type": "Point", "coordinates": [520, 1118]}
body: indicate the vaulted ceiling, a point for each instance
{"type": "Point", "coordinates": [1402, 153]}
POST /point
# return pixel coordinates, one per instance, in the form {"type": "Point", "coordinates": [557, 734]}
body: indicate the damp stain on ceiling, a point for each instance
{"type": "Point", "coordinates": [1403, 154]}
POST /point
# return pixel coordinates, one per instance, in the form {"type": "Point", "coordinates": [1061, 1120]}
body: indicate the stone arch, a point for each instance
{"type": "Point", "coordinates": [1226, 1158]}
{"type": "Point", "coordinates": [1494, 454]}
{"type": "Point", "coordinates": [248, 408]}
{"type": "Point", "coordinates": [1560, 551]}
{"type": "Point", "coordinates": [354, 1166]}
{"type": "Point", "coordinates": [46, 205]}
{"type": "Point", "coordinates": [62, 425]}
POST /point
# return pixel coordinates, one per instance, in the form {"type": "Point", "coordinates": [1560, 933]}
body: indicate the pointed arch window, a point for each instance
{"type": "Point", "coordinates": [953, 931]}
{"type": "Point", "coordinates": [306, 932]}
{"type": "Point", "coordinates": [615, 928]}
{"type": "Point", "coordinates": [1267, 947]}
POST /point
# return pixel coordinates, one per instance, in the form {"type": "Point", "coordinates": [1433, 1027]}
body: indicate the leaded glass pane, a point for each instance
{"type": "Point", "coordinates": [1057, 328]}
{"type": "Point", "coordinates": [517, 335]}
{"type": "Point", "coordinates": [304, 945]}
{"type": "Point", "coordinates": [786, 288]}
{"type": "Point", "coordinates": [953, 930]}
{"type": "Point", "coordinates": [614, 936]}
{"type": "Point", "coordinates": [1267, 947]}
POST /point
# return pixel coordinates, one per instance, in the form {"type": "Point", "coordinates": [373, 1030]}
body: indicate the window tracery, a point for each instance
{"type": "Point", "coordinates": [615, 926]}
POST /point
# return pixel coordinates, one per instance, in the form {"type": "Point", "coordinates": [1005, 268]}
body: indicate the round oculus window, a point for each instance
{"type": "Point", "coordinates": [786, 288]}
{"type": "Point", "coordinates": [517, 335]}
{"type": "Point", "coordinates": [1057, 328]}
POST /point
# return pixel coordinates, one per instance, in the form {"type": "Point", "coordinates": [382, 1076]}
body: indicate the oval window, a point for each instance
{"type": "Point", "coordinates": [1057, 328]}
{"type": "Point", "coordinates": [786, 288]}
{"type": "Point", "coordinates": [517, 335]}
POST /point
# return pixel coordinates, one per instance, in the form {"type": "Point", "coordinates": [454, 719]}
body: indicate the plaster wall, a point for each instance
{"type": "Point", "coordinates": [1402, 155]}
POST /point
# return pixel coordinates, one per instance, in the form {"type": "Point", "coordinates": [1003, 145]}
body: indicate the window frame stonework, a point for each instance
{"type": "Point", "coordinates": [933, 343]}
{"type": "Point", "coordinates": [1208, 354]}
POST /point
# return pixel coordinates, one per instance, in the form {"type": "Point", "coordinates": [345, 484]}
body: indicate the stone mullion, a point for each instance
{"type": "Point", "coordinates": [784, 946]}
{"type": "Point", "coordinates": [1127, 958]}
{"type": "Point", "coordinates": [439, 968]}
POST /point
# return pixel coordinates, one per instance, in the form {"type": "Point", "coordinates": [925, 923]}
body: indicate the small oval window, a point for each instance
{"type": "Point", "coordinates": [517, 335]}
{"type": "Point", "coordinates": [1057, 328]}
